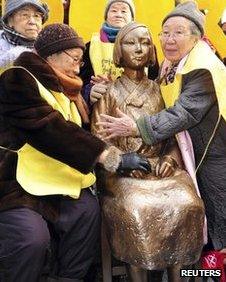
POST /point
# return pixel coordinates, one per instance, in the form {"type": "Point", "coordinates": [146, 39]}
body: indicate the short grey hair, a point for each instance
{"type": "Point", "coordinates": [195, 30]}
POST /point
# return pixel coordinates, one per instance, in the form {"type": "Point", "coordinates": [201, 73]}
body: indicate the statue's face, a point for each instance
{"type": "Point", "coordinates": [136, 48]}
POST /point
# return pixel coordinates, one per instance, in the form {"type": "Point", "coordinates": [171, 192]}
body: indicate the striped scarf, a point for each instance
{"type": "Point", "coordinates": [110, 31]}
{"type": "Point", "coordinates": [171, 72]}
{"type": "Point", "coordinates": [15, 38]}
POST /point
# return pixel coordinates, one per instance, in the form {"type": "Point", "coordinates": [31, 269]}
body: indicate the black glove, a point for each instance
{"type": "Point", "coordinates": [132, 161]}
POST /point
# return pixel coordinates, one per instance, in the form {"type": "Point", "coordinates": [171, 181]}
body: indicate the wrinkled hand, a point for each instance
{"type": "Point", "coordinates": [122, 125]}
{"type": "Point", "coordinates": [97, 91]}
{"type": "Point", "coordinates": [165, 167]}
{"type": "Point", "coordinates": [100, 79]}
{"type": "Point", "coordinates": [132, 161]}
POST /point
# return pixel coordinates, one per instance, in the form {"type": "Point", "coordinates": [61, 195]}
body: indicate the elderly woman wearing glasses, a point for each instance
{"type": "Point", "coordinates": [193, 83]}
{"type": "Point", "coordinates": [21, 22]}
{"type": "Point", "coordinates": [140, 210]}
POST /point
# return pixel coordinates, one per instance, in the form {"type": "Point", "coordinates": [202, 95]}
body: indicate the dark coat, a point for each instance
{"type": "Point", "coordinates": [196, 110]}
{"type": "Point", "coordinates": [25, 117]}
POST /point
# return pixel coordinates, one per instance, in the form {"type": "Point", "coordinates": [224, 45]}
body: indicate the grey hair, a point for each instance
{"type": "Point", "coordinates": [195, 30]}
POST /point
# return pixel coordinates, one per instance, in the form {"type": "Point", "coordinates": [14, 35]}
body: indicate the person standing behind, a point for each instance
{"type": "Point", "coordinates": [98, 57]}
{"type": "Point", "coordinates": [21, 22]}
{"type": "Point", "coordinates": [98, 66]}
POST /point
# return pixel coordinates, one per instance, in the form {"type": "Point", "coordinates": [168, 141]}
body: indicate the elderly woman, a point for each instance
{"type": "Point", "coordinates": [98, 57]}
{"type": "Point", "coordinates": [22, 21]}
{"type": "Point", "coordinates": [146, 212]}
{"type": "Point", "coordinates": [46, 161]}
{"type": "Point", "coordinates": [193, 86]}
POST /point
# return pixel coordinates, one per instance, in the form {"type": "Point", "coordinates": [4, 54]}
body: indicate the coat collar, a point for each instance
{"type": "Point", "coordinates": [54, 80]}
{"type": "Point", "coordinates": [40, 69]}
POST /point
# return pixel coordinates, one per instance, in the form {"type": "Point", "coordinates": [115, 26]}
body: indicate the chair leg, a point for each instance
{"type": "Point", "coordinates": [174, 273]}
{"type": "Point", "coordinates": [155, 275]}
{"type": "Point", "coordinates": [106, 256]}
{"type": "Point", "coordinates": [137, 274]}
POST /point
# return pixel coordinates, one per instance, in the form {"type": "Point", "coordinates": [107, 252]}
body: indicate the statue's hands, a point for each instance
{"type": "Point", "coordinates": [132, 161]}
{"type": "Point", "coordinates": [97, 91]}
{"type": "Point", "coordinates": [165, 167]}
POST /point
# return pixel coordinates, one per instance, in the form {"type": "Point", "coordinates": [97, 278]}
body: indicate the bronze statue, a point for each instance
{"type": "Point", "coordinates": [154, 220]}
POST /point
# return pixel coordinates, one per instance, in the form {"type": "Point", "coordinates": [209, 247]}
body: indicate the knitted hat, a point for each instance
{"type": "Point", "coordinates": [128, 2]}
{"type": "Point", "coordinates": [190, 11]}
{"type": "Point", "coordinates": [12, 6]}
{"type": "Point", "coordinates": [55, 38]}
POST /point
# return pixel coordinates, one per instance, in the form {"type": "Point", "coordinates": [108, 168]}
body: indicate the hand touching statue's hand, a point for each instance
{"type": "Point", "coordinates": [97, 91]}
{"type": "Point", "coordinates": [122, 125]}
{"type": "Point", "coordinates": [99, 87]}
{"type": "Point", "coordinates": [113, 160]}
{"type": "Point", "coordinates": [132, 161]}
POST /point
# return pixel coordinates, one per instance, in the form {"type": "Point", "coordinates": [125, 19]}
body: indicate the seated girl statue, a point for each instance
{"type": "Point", "coordinates": [154, 220]}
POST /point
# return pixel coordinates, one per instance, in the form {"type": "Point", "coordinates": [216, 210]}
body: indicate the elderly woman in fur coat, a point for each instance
{"type": "Point", "coordinates": [46, 162]}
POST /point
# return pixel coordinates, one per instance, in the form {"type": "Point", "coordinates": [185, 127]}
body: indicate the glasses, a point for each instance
{"type": "Point", "coordinates": [25, 16]}
{"type": "Point", "coordinates": [176, 35]}
{"type": "Point", "coordinates": [77, 61]}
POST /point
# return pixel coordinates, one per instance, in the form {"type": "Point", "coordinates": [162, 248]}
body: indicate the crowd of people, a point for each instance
{"type": "Point", "coordinates": [154, 133]}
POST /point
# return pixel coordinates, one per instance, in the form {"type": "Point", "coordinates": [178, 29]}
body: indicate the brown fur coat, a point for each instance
{"type": "Point", "coordinates": [25, 117]}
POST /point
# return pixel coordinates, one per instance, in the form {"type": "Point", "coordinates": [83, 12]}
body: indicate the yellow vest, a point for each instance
{"type": "Point", "coordinates": [101, 56]}
{"type": "Point", "coordinates": [200, 57]}
{"type": "Point", "coordinates": [40, 174]}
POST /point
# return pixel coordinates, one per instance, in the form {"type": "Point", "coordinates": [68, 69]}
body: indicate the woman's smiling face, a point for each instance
{"type": "Point", "coordinates": [176, 38]}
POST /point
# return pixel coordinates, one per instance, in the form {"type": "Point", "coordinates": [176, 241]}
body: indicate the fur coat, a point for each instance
{"type": "Point", "coordinates": [25, 117]}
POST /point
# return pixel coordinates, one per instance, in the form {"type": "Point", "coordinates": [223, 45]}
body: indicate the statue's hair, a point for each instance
{"type": "Point", "coordinates": [117, 53]}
